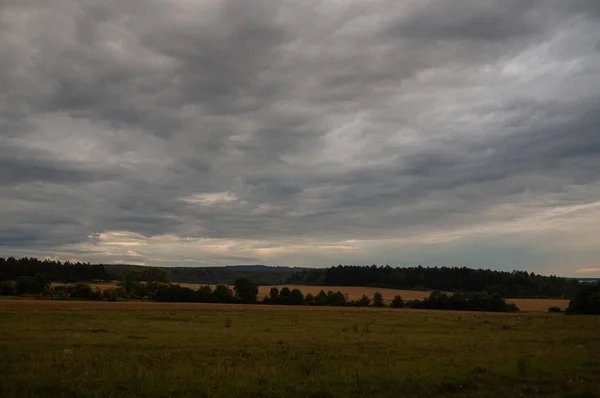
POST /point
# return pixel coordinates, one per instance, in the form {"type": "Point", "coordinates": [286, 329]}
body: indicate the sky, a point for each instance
{"type": "Point", "coordinates": [302, 133]}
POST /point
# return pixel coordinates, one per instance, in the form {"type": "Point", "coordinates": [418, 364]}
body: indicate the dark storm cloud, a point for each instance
{"type": "Point", "coordinates": [496, 20]}
{"type": "Point", "coordinates": [18, 165]}
{"type": "Point", "coordinates": [270, 120]}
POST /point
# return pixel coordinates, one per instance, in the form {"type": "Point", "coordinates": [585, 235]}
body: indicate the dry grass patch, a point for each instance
{"type": "Point", "coordinates": [355, 293]}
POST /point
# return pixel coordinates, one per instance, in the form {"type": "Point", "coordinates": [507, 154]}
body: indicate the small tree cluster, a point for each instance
{"type": "Point", "coordinates": [507, 284]}
{"type": "Point", "coordinates": [79, 291]}
{"type": "Point", "coordinates": [133, 279]}
{"type": "Point", "coordinates": [463, 301]}
{"type": "Point", "coordinates": [397, 302]}
{"type": "Point", "coordinates": [337, 299]}
{"type": "Point", "coordinates": [287, 297]}
{"type": "Point", "coordinates": [586, 300]}
{"type": "Point", "coordinates": [8, 288]}
{"type": "Point", "coordinates": [36, 284]}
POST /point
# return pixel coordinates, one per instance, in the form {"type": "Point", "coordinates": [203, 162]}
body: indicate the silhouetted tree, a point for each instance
{"type": "Point", "coordinates": [378, 300]}
{"type": "Point", "coordinates": [8, 288]}
{"type": "Point", "coordinates": [586, 300]}
{"type": "Point", "coordinates": [296, 297]}
{"type": "Point", "coordinates": [397, 302]}
{"type": "Point", "coordinates": [222, 294]}
{"type": "Point", "coordinates": [245, 290]}
{"type": "Point", "coordinates": [273, 295]}
{"type": "Point", "coordinates": [507, 284]}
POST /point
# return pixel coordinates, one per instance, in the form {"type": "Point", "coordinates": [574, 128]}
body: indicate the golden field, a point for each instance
{"type": "Point", "coordinates": [355, 292]}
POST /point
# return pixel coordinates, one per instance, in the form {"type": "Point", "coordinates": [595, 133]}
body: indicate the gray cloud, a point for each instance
{"type": "Point", "coordinates": [260, 125]}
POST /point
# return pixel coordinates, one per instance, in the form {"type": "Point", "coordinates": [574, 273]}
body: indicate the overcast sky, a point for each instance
{"type": "Point", "coordinates": [302, 133]}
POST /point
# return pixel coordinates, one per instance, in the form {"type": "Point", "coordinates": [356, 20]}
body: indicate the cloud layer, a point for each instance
{"type": "Point", "coordinates": [302, 133]}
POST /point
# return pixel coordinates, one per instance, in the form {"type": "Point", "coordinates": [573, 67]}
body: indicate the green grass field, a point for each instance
{"type": "Point", "coordinates": [287, 353]}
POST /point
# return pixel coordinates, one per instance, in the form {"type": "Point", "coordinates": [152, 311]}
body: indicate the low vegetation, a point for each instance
{"type": "Point", "coordinates": [586, 300]}
{"type": "Point", "coordinates": [221, 351]}
{"type": "Point", "coordinates": [153, 284]}
{"type": "Point", "coordinates": [515, 284]}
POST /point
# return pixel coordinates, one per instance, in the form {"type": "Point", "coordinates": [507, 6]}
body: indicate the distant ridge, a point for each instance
{"type": "Point", "coordinates": [226, 274]}
{"type": "Point", "coordinates": [587, 279]}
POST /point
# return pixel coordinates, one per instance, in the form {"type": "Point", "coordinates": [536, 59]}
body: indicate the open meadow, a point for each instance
{"type": "Point", "coordinates": [145, 349]}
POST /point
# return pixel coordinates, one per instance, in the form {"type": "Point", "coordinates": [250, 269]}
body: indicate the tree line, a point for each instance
{"type": "Point", "coordinates": [515, 284]}
{"type": "Point", "coordinates": [153, 284]}
{"type": "Point", "coordinates": [11, 268]}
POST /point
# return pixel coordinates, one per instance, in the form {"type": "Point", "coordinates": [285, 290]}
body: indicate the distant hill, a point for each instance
{"type": "Point", "coordinates": [587, 279]}
{"type": "Point", "coordinates": [260, 274]}
{"type": "Point", "coordinates": [515, 284]}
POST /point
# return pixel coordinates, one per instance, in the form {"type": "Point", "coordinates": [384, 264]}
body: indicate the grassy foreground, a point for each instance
{"type": "Point", "coordinates": [285, 353]}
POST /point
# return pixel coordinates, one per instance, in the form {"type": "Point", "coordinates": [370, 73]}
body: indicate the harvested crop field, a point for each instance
{"type": "Point", "coordinates": [355, 292]}
{"type": "Point", "coordinates": [527, 305]}
{"type": "Point", "coordinates": [68, 305]}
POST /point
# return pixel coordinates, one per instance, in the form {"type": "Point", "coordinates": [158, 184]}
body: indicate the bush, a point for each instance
{"type": "Point", "coordinates": [321, 298]}
{"type": "Point", "coordinates": [362, 302]}
{"type": "Point", "coordinates": [8, 288]}
{"type": "Point", "coordinates": [335, 299]}
{"type": "Point", "coordinates": [378, 300]}
{"type": "Point", "coordinates": [467, 302]}
{"type": "Point", "coordinates": [397, 302]}
{"type": "Point", "coordinates": [222, 294]}
{"type": "Point", "coordinates": [586, 300]}
{"type": "Point", "coordinates": [245, 290]}
{"type": "Point", "coordinates": [204, 293]}
{"type": "Point", "coordinates": [80, 291]}
{"type": "Point", "coordinates": [309, 299]}
{"type": "Point", "coordinates": [554, 309]}
{"type": "Point", "coordinates": [273, 296]}
{"type": "Point", "coordinates": [109, 294]}
{"type": "Point", "coordinates": [296, 297]}
{"type": "Point", "coordinates": [32, 284]}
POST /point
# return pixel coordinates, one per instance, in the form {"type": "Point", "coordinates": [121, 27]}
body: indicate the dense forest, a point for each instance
{"type": "Point", "coordinates": [11, 268]}
{"type": "Point", "coordinates": [261, 274]}
{"type": "Point", "coordinates": [515, 284]}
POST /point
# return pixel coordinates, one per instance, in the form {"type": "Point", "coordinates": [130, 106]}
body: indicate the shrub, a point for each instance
{"type": "Point", "coordinates": [296, 297]}
{"type": "Point", "coordinates": [8, 288]}
{"type": "Point", "coordinates": [222, 294]}
{"type": "Point", "coordinates": [204, 293]}
{"type": "Point", "coordinates": [378, 300]}
{"type": "Point", "coordinates": [321, 298]}
{"type": "Point", "coordinates": [397, 302]}
{"type": "Point", "coordinates": [284, 295]}
{"type": "Point", "coordinates": [80, 291]}
{"type": "Point", "coordinates": [309, 299]}
{"type": "Point", "coordinates": [109, 295]}
{"type": "Point", "coordinates": [362, 302]}
{"type": "Point", "coordinates": [335, 299]}
{"type": "Point", "coordinates": [273, 296]}
{"type": "Point", "coordinates": [245, 290]}
{"type": "Point", "coordinates": [468, 302]}
{"type": "Point", "coordinates": [586, 300]}
{"type": "Point", "coordinates": [32, 285]}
